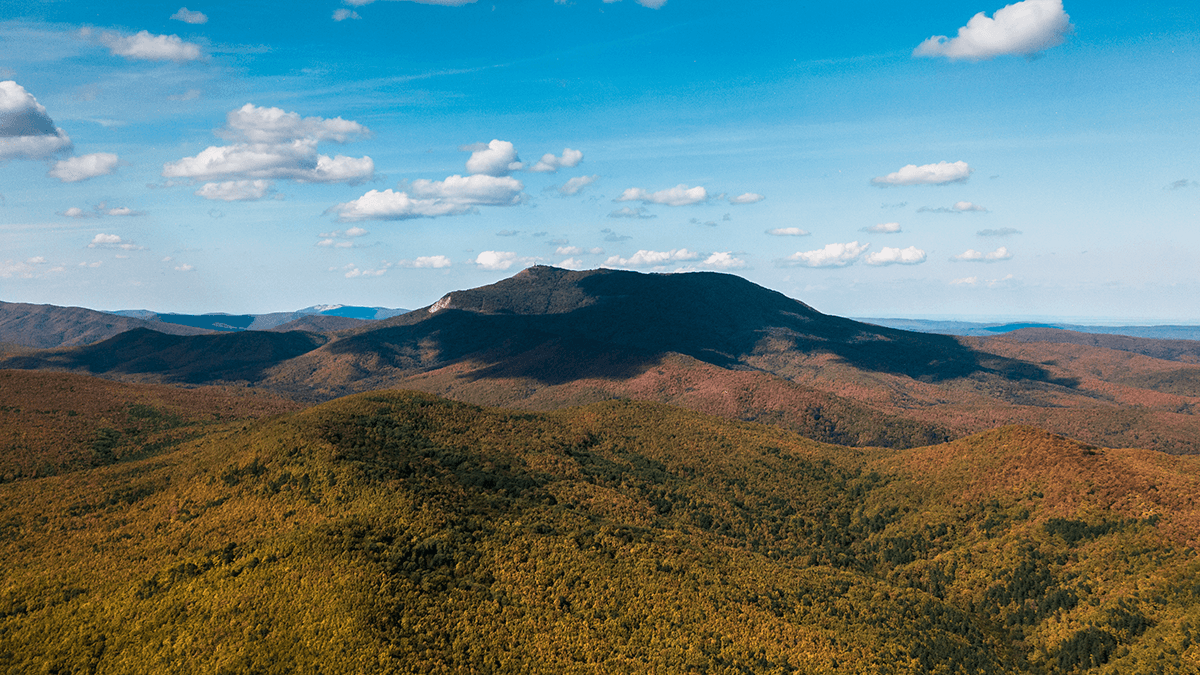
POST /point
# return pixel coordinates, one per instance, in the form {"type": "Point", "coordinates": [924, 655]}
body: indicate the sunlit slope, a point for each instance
{"type": "Point", "coordinates": [56, 422]}
{"type": "Point", "coordinates": [398, 532]}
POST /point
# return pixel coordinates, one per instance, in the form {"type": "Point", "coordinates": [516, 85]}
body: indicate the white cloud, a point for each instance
{"type": "Point", "coordinates": [444, 3]}
{"type": "Point", "coordinates": [572, 264]}
{"type": "Point", "coordinates": [576, 184]}
{"type": "Point", "coordinates": [962, 207]}
{"type": "Point", "coordinates": [76, 212]}
{"type": "Point", "coordinates": [113, 241]}
{"type": "Point", "coordinates": [896, 256]}
{"type": "Point", "coordinates": [331, 243]}
{"type": "Point", "coordinates": [748, 198]}
{"type": "Point", "coordinates": [252, 124]}
{"type": "Point", "coordinates": [187, 16]}
{"type": "Point", "coordinates": [184, 268]}
{"type": "Point", "coordinates": [1002, 232]}
{"type": "Point", "coordinates": [270, 143]}
{"type": "Point", "coordinates": [927, 174]}
{"type": "Point", "coordinates": [499, 260]}
{"type": "Point", "coordinates": [723, 261]}
{"type": "Point", "coordinates": [479, 189]}
{"type": "Point", "coordinates": [498, 158]}
{"type": "Point", "coordinates": [146, 46]}
{"type": "Point", "coordinates": [646, 258]}
{"type": "Point", "coordinates": [236, 190]}
{"type": "Point", "coordinates": [390, 205]}
{"type": "Point", "coordinates": [121, 211]}
{"type": "Point", "coordinates": [568, 250]}
{"type": "Point", "coordinates": [680, 195]}
{"type": "Point", "coordinates": [26, 130]}
{"type": "Point", "coordinates": [630, 212]}
{"type": "Point", "coordinates": [427, 262]}
{"type": "Point", "coordinates": [883, 228]}
{"type": "Point", "coordinates": [83, 167]}
{"type": "Point", "coordinates": [550, 164]}
{"type": "Point", "coordinates": [971, 254]}
{"type": "Point", "coordinates": [652, 4]}
{"type": "Point", "coordinates": [833, 255]}
{"type": "Point", "coordinates": [354, 271]}
{"type": "Point", "coordinates": [343, 14]}
{"type": "Point", "coordinates": [1022, 28]}
{"type": "Point", "coordinates": [965, 281]}
{"type": "Point", "coordinates": [788, 232]}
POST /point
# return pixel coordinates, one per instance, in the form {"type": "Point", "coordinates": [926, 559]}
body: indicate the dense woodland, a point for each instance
{"type": "Point", "coordinates": [396, 532]}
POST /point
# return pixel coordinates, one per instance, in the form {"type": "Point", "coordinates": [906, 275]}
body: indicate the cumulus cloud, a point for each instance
{"type": "Point", "coordinates": [644, 258]}
{"type": "Point", "coordinates": [972, 255]}
{"type": "Point", "coordinates": [680, 195]}
{"type": "Point", "coordinates": [747, 198]}
{"type": "Point", "coordinates": [723, 261]}
{"type": "Point", "coordinates": [572, 264]}
{"type": "Point", "coordinates": [184, 268]}
{"type": "Point", "coordinates": [883, 228]}
{"type": "Point", "coordinates": [1022, 28]}
{"type": "Point", "coordinates": [652, 4]}
{"type": "Point", "coordinates": [390, 205]}
{"type": "Point", "coordinates": [576, 184]}
{"type": "Point", "coordinates": [237, 190]}
{"type": "Point", "coordinates": [833, 255]}
{"type": "Point", "coordinates": [113, 241]}
{"type": "Point", "coordinates": [270, 143]}
{"type": "Point", "coordinates": [926, 174]}
{"type": "Point", "coordinates": [83, 167]}
{"type": "Point", "coordinates": [187, 16]}
{"type": "Point", "coordinates": [609, 235]}
{"type": "Point", "coordinates": [551, 164]}
{"type": "Point", "coordinates": [958, 207]}
{"type": "Point", "coordinates": [426, 262]}
{"type": "Point", "coordinates": [353, 271]}
{"type": "Point", "coordinates": [101, 209]}
{"type": "Point", "coordinates": [500, 260]}
{"type": "Point", "coordinates": [444, 3]}
{"type": "Point", "coordinates": [896, 256]}
{"type": "Point", "coordinates": [26, 130]}
{"type": "Point", "coordinates": [498, 158]}
{"type": "Point", "coordinates": [788, 232]}
{"type": "Point", "coordinates": [1002, 232]}
{"type": "Point", "coordinates": [630, 212]}
{"type": "Point", "coordinates": [478, 189]}
{"type": "Point", "coordinates": [145, 46]}
{"type": "Point", "coordinates": [343, 14]}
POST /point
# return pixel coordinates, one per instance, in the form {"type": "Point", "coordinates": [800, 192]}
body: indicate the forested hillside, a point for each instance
{"type": "Point", "coordinates": [399, 532]}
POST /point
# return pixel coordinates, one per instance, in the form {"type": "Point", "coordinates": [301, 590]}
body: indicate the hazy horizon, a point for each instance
{"type": "Point", "coordinates": [988, 162]}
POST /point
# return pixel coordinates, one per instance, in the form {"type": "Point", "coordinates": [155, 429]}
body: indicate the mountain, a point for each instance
{"type": "Point", "coordinates": [395, 532]}
{"type": "Point", "coordinates": [547, 338]}
{"type": "Point", "coordinates": [48, 326]}
{"type": "Point", "coordinates": [235, 322]}
{"type": "Point", "coordinates": [968, 328]}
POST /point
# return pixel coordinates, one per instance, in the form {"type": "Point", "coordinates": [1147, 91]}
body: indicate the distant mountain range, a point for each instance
{"type": "Point", "coordinates": [235, 322]}
{"type": "Point", "coordinates": [547, 338]}
{"type": "Point", "coordinates": [966, 328]}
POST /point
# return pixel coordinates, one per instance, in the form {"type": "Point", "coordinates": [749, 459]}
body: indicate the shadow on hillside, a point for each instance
{"type": "Point", "coordinates": [196, 359]}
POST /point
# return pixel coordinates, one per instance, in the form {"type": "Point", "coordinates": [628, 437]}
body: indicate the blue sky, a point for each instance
{"type": "Point", "coordinates": [1039, 161]}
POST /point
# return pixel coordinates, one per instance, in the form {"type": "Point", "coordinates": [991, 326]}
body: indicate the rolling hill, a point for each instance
{"type": "Point", "coordinates": [395, 532]}
{"type": "Point", "coordinates": [49, 326]}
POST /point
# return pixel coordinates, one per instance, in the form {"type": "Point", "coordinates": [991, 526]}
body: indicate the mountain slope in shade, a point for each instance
{"type": "Point", "coordinates": [393, 532]}
{"type": "Point", "coordinates": [199, 359]}
{"type": "Point", "coordinates": [48, 326]}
